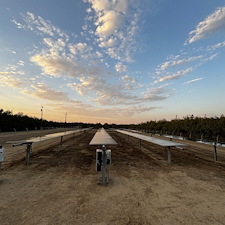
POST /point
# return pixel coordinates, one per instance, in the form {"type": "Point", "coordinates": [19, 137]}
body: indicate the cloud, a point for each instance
{"type": "Point", "coordinates": [127, 78]}
{"type": "Point", "coordinates": [116, 27]}
{"type": "Point", "coordinates": [79, 48]}
{"type": "Point", "coordinates": [211, 25]}
{"type": "Point", "coordinates": [108, 23]}
{"type": "Point", "coordinates": [109, 15]}
{"type": "Point", "coordinates": [38, 25]}
{"type": "Point", "coordinates": [82, 67]}
{"type": "Point", "coordinates": [19, 25]}
{"type": "Point", "coordinates": [42, 91]}
{"type": "Point", "coordinates": [9, 79]}
{"type": "Point", "coordinates": [13, 70]}
{"type": "Point", "coordinates": [173, 63]}
{"type": "Point", "coordinates": [120, 67]}
{"type": "Point", "coordinates": [157, 93]}
{"type": "Point", "coordinates": [107, 114]}
{"type": "Point", "coordinates": [21, 63]}
{"type": "Point", "coordinates": [131, 111]}
{"type": "Point", "coordinates": [11, 51]}
{"type": "Point", "coordinates": [58, 66]}
{"type": "Point", "coordinates": [175, 75]}
{"type": "Point", "coordinates": [107, 43]}
{"type": "Point", "coordinates": [216, 46]}
{"type": "Point", "coordinates": [192, 81]}
{"type": "Point", "coordinates": [112, 95]}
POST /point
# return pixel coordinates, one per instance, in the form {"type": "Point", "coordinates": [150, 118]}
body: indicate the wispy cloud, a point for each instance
{"type": "Point", "coordinates": [42, 91]}
{"type": "Point", "coordinates": [219, 45]}
{"type": "Point", "coordinates": [174, 76]}
{"type": "Point", "coordinates": [179, 65]}
{"type": "Point", "coordinates": [11, 51]}
{"type": "Point", "coordinates": [108, 113]}
{"type": "Point", "coordinates": [39, 25]}
{"type": "Point", "coordinates": [211, 25]}
{"type": "Point", "coordinates": [173, 63]}
{"type": "Point", "coordinates": [192, 81]}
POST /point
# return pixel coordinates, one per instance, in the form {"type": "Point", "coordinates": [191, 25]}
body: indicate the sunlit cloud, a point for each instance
{"type": "Point", "coordinates": [43, 91]}
{"type": "Point", "coordinates": [211, 25]}
{"type": "Point", "coordinates": [116, 27]}
{"type": "Point", "coordinates": [109, 15]}
{"type": "Point", "coordinates": [10, 80]}
{"type": "Point", "coordinates": [57, 66]}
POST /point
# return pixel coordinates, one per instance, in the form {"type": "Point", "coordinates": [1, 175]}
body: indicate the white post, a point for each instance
{"type": "Point", "coordinates": [217, 138]}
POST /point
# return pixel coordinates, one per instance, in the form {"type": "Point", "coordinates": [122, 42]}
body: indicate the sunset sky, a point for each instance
{"type": "Point", "coordinates": [114, 61]}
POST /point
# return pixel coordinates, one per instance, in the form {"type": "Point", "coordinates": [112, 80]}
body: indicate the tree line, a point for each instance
{"type": "Point", "coordinates": [191, 127]}
{"type": "Point", "coordinates": [21, 122]}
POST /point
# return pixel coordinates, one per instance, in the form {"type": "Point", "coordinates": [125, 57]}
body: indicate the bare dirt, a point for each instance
{"type": "Point", "coordinates": [59, 186]}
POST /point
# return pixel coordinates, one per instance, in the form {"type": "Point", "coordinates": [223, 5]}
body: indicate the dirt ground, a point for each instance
{"type": "Point", "coordinates": [59, 186]}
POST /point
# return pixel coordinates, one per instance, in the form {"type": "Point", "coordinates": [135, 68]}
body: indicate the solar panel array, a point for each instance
{"type": "Point", "coordinates": [153, 140]}
{"type": "Point", "coordinates": [102, 138]}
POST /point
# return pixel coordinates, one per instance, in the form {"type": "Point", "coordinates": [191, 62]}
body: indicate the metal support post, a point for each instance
{"type": "Point", "coordinates": [215, 151]}
{"type": "Point", "coordinates": [61, 140]}
{"type": "Point", "coordinates": [28, 153]}
{"type": "Point", "coordinates": [104, 158]}
{"type": "Point", "coordinates": [168, 155]}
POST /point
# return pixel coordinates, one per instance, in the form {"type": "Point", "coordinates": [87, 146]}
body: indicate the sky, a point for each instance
{"type": "Point", "coordinates": [112, 61]}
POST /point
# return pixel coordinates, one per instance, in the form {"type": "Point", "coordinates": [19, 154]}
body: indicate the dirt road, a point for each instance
{"type": "Point", "coordinates": [59, 186]}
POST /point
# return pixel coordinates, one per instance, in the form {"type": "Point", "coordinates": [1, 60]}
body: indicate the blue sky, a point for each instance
{"type": "Point", "coordinates": [118, 61]}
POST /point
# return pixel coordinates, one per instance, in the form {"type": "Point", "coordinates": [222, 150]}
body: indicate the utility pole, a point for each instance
{"type": "Point", "coordinates": [65, 118]}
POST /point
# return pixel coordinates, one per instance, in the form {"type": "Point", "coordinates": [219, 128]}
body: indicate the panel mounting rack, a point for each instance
{"type": "Point", "coordinates": [157, 141]}
{"type": "Point", "coordinates": [30, 141]}
{"type": "Point", "coordinates": [102, 138]}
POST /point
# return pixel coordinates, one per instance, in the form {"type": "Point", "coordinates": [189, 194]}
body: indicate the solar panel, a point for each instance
{"type": "Point", "coordinates": [32, 140]}
{"type": "Point", "coordinates": [164, 143]}
{"type": "Point", "coordinates": [45, 137]}
{"type": "Point", "coordinates": [153, 140]}
{"type": "Point", "coordinates": [102, 138]}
